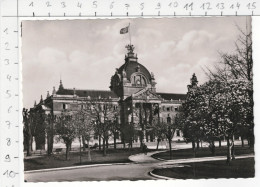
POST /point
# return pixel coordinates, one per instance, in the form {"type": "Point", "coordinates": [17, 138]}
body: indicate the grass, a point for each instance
{"type": "Point", "coordinates": [58, 160]}
{"type": "Point", "coordinates": [240, 168]}
{"type": "Point", "coordinates": [201, 152]}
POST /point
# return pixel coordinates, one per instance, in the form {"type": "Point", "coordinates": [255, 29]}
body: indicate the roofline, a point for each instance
{"type": "Point", "coordinates": [86, 89]}
{"type": "Point", "coordinates": [171, 93]}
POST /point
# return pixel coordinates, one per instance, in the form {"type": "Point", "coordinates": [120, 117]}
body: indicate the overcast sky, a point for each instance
{"type": "Point", "coordinates": [85, 53]}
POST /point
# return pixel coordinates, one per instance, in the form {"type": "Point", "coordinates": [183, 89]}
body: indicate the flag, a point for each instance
{"type": "Point", "coordinates": [124, 30]}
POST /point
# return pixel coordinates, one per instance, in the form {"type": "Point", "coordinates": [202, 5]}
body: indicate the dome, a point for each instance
{"type": "Point", "coordinates": [132, 67]}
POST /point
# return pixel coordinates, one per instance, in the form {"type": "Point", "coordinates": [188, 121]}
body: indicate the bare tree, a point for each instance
{"type": "Point", "coordinates": [66, 128]}
{"type": "Point", "coordinates": [27, 132]}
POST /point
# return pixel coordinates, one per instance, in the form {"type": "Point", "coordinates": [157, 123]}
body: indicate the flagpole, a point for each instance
{"type": "Point", "coordinates": [129, 34]}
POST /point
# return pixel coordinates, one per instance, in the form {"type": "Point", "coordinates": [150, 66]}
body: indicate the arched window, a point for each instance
{"type": "Point", "coordinates": [139, 80]}
{"type": "Point", "coordinates": [143, 82]}
{"type": "Point", "coordinates": [168, 120]}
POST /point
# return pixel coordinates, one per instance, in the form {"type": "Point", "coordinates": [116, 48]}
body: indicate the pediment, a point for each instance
{"type": "Point", "coordinates": [146, 94]}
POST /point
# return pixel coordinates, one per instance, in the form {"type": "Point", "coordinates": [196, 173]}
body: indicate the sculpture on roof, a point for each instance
{"type": "Point", "coordinates": [124, 74]}
{"type": "Point", "coordinates": [130, 48]}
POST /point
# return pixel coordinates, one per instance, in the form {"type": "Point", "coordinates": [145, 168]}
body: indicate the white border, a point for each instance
{"type": "Point", "coordinates": [201, 182]}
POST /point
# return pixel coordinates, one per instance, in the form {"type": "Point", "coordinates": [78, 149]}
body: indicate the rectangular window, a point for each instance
{"type": "Point", "coordinates": [64, 106]}
{"type": "Point", "coordinates": [168, 108]}
{"type": "Point", "coordinates": [176, 108]}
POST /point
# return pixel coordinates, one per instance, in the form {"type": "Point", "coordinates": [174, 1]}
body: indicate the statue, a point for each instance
{"type": "Point", "coordinates": [152, 75]}
{"type": "Point", "coordinates": [130, 48]}
{"type": "Point", "coordinates": [124, 74]}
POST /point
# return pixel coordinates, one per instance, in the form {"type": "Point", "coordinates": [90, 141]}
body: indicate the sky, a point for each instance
{"type": "Point", "coordinates": [85, 53]}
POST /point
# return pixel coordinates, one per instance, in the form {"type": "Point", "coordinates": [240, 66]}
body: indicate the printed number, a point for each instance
{"type": "Point", "coordinates": [206, 6]}
{"type": "Point", "coordinates": [9, 109]}
{"type": "Point", "coordinates": [8, 123]}
{"type": "Point", "coordinates": [8, 93]}
{"type": "Point", "coordinates": [112, 5]}
{"type": "Point", "coordinates": [7, 46]}
{"type": "Point", "coordinates": [235, 6]}
{"type": "Point", "coordinates": [94, 4]}
{"type": "Point", "coordinates": [174, 4]}
{"type": "Point", "coordinates": [127, 6]}
{"type": "Point", "coordinates": [220, 6]}
{"type": "Point", "coordinates": [6, 31]}
{"type": "Point", "coordinates": [9, 77]}
{"type": "Point", "coordinates": [158, 6]}
{"type": "Point", "coordinates": [251, 5]}
{"type": "Point", "coordinates": [142, 6]}
{"type": "Point", "coordinates": [7, 158]}
{"type": "Point", "coordinates": [10, 174]}
{"type": "Point", "coordinates": [63, 5]}
{"type": "Point", "coordinates": [79, 4]}
{"type": "Point", "coordinates": [6, 61]}
{"type": "Point", "coordinates": [188, 6]}
{"type": "Point", "coordinates": [8, 141]}
{"type": "Point", "coordinates": [48, 4]}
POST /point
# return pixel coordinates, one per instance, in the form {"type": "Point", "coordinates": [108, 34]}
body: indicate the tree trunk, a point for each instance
{"type": "Point", "coordinates": [242, 141]}
{"type": "Point", "coordinates": [89, 155]}
{"type": "Point", "coordinates": [99, 142]}
{"type": "Point", "coordinates": [158, 141]}
{"type": "Point", "coordinates": [80, 150]}
{"type": "Point", "coordinates": [198, 144]}
{"type": "Point", "coordinates": [130, 143]}
{"type": "Point", "coordinates": [104, 147]}
{"type": "Point", "coordinates": [219, 142]}
{"type": "Point", "coordinates": [252, 140]}
{"type": "Point", "coordinates": [84, 143]}
{"type": "Point", "coordinates": [49, 143]}
{"type": "Point", "coordinates": [194, 148]}
{"type": "Point", "coordinates": [68, 147]}
{"type": "Point", "coordinates": [29, 146]}
{"type": "Point", "coordinates": [141, 139]}
{"type": "Point", "coordinates": [170, 146]}
{"type": "Point", "coordinates": [114, 141]}
{"type": "Point", "coordinates": [233, 149]}
{"type": "Point", "coordinates": [107, 143]}
{"type": "Point", "coordinates": [212, 147]}
{"type": "Point", "coordinates": [228, 151]}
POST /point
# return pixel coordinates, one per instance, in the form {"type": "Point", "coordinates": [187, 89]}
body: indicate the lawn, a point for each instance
{"type": "Point", "coordinates": [58, 160]}
{"type": "Point", "coordinates": [239, 168]}
{"type": "Point", "coordinates": [202, 152]}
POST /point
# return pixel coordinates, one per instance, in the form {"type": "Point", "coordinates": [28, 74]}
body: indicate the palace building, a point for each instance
{"type": "Point", "coordinates": [132, 90]}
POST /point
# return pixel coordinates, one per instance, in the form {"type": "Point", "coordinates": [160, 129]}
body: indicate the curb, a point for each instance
{"type": "Point", "coordinates": [205, 159]}
{"type": "Point", "coordinates": [147, 155]}
{"type": "Point", "coordinates": [159, 176]}
{"type": "Point", "coordinates": [73, 167]}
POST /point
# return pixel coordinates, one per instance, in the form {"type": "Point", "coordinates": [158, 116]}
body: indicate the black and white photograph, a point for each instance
{"type": "Point", "coordinates": [137, 99]}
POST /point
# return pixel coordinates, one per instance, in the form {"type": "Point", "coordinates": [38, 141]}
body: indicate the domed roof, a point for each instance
{"type": "Point", "coordinates": [131, 67]}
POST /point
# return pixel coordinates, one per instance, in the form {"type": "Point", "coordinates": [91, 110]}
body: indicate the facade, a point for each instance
{"type": "Point", "coordinates": [132, 90]}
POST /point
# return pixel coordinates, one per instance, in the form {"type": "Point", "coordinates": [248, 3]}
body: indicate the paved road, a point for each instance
{"type": "Point", "coordinates": [134, 171]}
{"type": "Point", "coordinates": [112, 172]}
